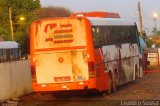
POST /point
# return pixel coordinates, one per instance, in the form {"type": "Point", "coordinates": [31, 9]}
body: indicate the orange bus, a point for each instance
{"type": "Point", "coordinates": [83, 53]}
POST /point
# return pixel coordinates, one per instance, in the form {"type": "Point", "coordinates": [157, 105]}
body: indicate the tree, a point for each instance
{"type": "Point", "coordinates": [30, 10]}
{"type": "Point", "coordinates": [149, 42]}
{"type": "Point", "coordinates": [50, 12]}
{"type": "Point", "coordinates": [20, 8]}
{"type": "Point", "coordinates": [158, 33]}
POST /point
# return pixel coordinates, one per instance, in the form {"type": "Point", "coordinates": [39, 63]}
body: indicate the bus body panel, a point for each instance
{"type": "Point", "coordinates": [123, 59]}
{"type": "Point", "coordinates": [101, 72]}
{"type": "Point", "coordinates": [63, 56]}
{"type": "Point", "coordinates": [57, 55]}
{"type": "Point", "coordinates": [59, 33]}
{"type": "Point", "coordinates": [120, 45]}
{"type": "Point", "coordinates": [61, 66]}
{"type": "Point", "coordinates": [82, 85]}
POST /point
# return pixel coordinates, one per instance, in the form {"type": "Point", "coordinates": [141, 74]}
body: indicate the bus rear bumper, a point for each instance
{"type": "Point", "coordinates": [82, 85]}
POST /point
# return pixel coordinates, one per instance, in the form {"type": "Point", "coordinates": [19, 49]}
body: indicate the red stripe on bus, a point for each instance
{"type": "Point", "coordinates": [62, 48]}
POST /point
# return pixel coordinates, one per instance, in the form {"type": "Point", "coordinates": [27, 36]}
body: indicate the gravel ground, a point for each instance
{"type": "Point", "coordinates": [142, 92]}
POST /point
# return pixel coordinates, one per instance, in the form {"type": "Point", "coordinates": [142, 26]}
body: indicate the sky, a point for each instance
{"type": "Point", "coordinates": [127, 9]}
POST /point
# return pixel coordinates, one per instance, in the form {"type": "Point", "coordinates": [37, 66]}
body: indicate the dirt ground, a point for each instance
{"type": "Point", "coordinates": [142, 92]}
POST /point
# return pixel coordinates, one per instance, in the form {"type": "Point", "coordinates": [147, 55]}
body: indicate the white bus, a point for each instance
{"type": "Point", "coordinates": [78, 53]}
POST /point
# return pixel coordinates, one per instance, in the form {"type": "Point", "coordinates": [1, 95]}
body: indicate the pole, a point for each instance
{"type": "Point", "coordinates": [155, 24]}
{"type": "Point", "coordinates": [10, 22]}
{"type": "Point", "coordinates": [140, 18]}
{"type": "Point", "coordinates": [155, 20]}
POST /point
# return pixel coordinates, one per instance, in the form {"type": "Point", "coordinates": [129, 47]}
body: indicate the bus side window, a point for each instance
{"type": "Point", "coordinates": [121, 34]}
{"type": "Point", "coordinates": [106, 35]}
{"type": "Point", "coordinates": [97, 37]}
{"type": "Point", "coordinates": [123, 40]}
{"type": "Point", "coordinates": [134, 30]}
{"type": "Point", "coordinates": [117, 35]}
{"type": "Point", "coordinates": [126, 34]}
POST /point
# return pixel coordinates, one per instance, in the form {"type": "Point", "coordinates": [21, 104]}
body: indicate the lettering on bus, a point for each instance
{"type": "Point", "coordinates": [63, 41]}
{"type": "Point", "coordinates": [59, 79]}
{"type": "Point", "coordinates": [62, 31]}
{"type": "Point", "coordinates": [66, 25]}
{"type": "Point", "coordinates": [49, 39]}
{"type": "Point", "coordinates": [63, 36]}
{"type": "Point", "coordinates": [52, 26]}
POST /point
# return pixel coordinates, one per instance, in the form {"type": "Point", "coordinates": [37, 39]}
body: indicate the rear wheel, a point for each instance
{"type": "Point", "coordinates": [136, 72]}
{"type": "Point", "coordinates": [103, 94]}
{"type": "Point", "coordinates": [109, 91]}
{"type": "Point", "coordinates": [115, 81]}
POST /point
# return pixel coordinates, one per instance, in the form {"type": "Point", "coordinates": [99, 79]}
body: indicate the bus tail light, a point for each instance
{"type": "Point", "coordinates": [91, 68]}
{"type": "Point", "coordinates": [33, 73]}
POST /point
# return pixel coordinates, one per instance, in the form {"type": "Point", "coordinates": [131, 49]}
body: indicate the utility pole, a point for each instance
{"type": "Point", "coordinates": [155, 19]}
{"type": "Point", "coordinates": [140, 17]}
{"type": "Point", "coordinates": [10, 22]}
{"type": "Point", "coordinates": [155, 15]}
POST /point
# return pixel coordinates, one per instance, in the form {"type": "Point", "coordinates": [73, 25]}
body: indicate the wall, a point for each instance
{"type": "Point", "coordinates": [15, 79]}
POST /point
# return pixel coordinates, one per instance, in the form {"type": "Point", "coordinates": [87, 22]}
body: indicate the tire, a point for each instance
{"type": "Point", "coordinates": [109, 91]}
{"type": "Point", "coordinates": [136, 73]}
{"type": "Point", "coordinates": [115, 82]}
{"type": "Point", "coordinates": [103, 94]}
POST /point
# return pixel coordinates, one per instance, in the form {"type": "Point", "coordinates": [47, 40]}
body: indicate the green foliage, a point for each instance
{"type": "Point", "coordinates": [158, 33]}
{"type": "Point", "coordinates": [20, 8]}
{"type": "Point", "coordinates": [155, 32]}
{"type": "Point", "coordinates": [23, 39]}
{"type": "Point", "coordinates": [153, 40]}
{"type": "Point", "coordinates": [50, 12]}
{"type": "Point", "coordinates": [4, 32]}
{"type": "Point", "coordinates": [149, 42]}
{"type": "Point", "coordinates": [29, 9]}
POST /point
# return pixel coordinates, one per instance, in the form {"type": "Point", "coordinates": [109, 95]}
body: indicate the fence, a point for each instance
{"type": "Point", "coordinates": [15, 79]}
{"type": "Point", "coordinates": [151, 59]}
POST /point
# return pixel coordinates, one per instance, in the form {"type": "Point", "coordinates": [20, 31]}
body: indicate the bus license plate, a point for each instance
{"type": "Point", "coordinates": [65, 78]}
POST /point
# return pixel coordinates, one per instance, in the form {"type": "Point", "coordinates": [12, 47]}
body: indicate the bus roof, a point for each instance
{"type": "Point", "coordinates": [109, 21]}
{"type": "Point", "coordinates": [8, 45]}
{"type": "Point", "coordinates": [97, 14]}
